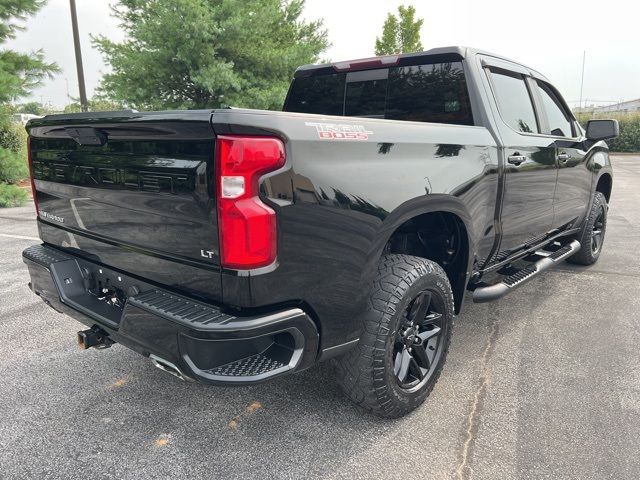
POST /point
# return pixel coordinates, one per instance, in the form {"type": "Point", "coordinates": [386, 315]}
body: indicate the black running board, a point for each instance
{"type": "Point", "coordinates": [499, 290]}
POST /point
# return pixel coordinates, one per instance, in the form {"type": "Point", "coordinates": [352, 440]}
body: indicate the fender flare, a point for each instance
{"type": "Point", "coordinates": [415, 207]}
{"type": "Point", "coordinates": [599, 167]}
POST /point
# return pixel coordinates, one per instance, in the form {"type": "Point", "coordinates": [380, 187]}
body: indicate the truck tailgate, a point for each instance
{"type": "Point", "coordinates": [132, 190]}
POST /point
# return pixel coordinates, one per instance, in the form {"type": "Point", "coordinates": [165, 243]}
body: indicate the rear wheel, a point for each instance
{"type": "Point", "coordinates": [592, 235]}
{"type": "Point", "coordinates": [406, 336]}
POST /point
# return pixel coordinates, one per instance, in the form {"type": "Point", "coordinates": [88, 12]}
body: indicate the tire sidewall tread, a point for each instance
{"type": "Point", "coordinates": [585, 255]}
{"type": "Point", "coordinates": [365, 373]}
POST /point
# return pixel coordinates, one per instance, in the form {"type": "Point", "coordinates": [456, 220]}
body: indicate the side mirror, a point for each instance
{"type": "Point", "coordinates": [602, 129]}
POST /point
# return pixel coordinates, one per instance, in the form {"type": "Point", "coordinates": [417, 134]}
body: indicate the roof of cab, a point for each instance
{"type": "Point", "coordinates": [461, 52]}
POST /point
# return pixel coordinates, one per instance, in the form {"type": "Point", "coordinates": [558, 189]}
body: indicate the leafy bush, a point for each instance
{"type": "Point", "coordinates": [629, 139]}
{"type": "Point", "coordinates": [13, 167]}
{"type": "Point", "coordinates": [95, 104]}
{"type": "Point", "coordinates": [13, 136]}
{"type": "Point", "coordinates": [12, 195]}
{"type": "Point", "coordinates": [13, 151]}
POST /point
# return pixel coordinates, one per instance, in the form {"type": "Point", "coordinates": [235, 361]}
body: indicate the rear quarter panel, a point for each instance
{"type": "Point", "coordinates": [339, 200]}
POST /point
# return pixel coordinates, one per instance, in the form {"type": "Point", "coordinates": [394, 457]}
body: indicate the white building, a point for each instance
{"type": "Point", "coordinates": [622, 107]}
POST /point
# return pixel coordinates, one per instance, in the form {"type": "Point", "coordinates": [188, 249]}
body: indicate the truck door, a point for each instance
{"type": "Point", "coordinates": [528, 161]}
{"type": "Point", "coordinates": [573, 189]}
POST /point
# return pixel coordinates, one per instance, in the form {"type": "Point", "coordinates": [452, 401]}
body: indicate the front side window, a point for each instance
{"type": "Point", "coordinates": [514, 102]}
{"type": "Point", "coordinates": [559, 121]}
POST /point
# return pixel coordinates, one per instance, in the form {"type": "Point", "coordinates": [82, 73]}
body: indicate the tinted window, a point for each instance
{"type": "Point", "coordinates": [366, 93]}
{"type": "Point", "coordinates": [322, 94]}
{"type": "Point", "coordinates": [514, 102]}
{"type": "Point", "coordinates": [423, 93]}
{"type": "Point", "coordinates": [559, 123]}
{"type": "Point", "coordinates": [429, 93]}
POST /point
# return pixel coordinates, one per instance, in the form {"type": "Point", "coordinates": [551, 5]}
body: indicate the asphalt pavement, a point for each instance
{"type": "Point", "coordinates": [544, 383]}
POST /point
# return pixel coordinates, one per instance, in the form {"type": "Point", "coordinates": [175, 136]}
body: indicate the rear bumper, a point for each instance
{"type": "Point", "coordinates": [202, 341]}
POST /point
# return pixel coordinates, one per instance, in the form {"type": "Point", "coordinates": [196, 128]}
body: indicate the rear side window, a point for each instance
{"type": "Point", "coordinates": [429, 93]}
{"type": "Point", "coordinates": [514, 102]}
{"type": "Point", "coordinates": [422, 93]}
{"type": "Point", "coordinates": [558, 119]}
{"type": "Point", "coordinates": [323, 95]}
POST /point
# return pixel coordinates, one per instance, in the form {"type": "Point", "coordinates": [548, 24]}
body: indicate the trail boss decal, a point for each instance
{"type": "Point", "coordinates": [336, 131]}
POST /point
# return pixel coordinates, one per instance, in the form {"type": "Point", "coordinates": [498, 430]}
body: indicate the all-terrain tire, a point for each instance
{"type": "Point", "coordinates": [366, 373]}
{"type": "Point", "coordinates": [596, 220]}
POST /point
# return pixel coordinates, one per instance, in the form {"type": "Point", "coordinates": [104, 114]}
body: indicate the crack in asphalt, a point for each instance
{"type": "Point", "coordinates": [464, 470]}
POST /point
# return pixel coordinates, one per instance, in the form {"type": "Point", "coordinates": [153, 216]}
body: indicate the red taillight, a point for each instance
{"type": "Point", "coordinates": [248, 237]}
{"type": "Point", "coordinates": [33, 183]}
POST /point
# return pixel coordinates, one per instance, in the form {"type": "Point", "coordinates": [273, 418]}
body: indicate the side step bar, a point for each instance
{"type": "Point", "coordinates": [499, 290]}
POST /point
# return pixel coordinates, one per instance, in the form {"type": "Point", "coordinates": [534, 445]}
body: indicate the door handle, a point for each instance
{"type": "Point", "coordinates": [563, 156]}
{"type": "Point", "coordinates": [516, 159]}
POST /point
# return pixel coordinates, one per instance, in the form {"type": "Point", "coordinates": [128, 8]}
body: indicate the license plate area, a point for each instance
{"type": "Point", "coordinates": [98, 292]}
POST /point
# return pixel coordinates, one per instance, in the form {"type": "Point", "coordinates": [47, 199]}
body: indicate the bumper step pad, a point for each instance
{"type": "Point", "coordinates": [252, 366]}
{"type": "Point", "coordinates": [180, 309]}
{"type": "Point", "coordinates": [44, 256]}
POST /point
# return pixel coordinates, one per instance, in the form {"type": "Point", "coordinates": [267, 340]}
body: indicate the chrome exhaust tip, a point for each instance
{"type": "Point", "coordinates": [168, 367]}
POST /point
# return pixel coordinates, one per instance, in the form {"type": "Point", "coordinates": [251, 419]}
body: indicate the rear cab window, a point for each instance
{"type": "Point", "coordinates": [428, 92]}
{"type": "Point", "coordinates": [366, 93]}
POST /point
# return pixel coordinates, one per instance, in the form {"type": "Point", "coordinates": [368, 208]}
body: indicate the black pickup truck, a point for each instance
{"type": "Point", "coordinates": [232, 246]}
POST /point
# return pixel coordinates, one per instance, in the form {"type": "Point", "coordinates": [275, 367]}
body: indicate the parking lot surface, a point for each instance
{"type": "Point", "coordinates": [544, 383]}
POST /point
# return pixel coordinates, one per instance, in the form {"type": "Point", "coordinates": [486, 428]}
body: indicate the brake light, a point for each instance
{"type": "Point", "coordinates": [33, 183]}
{"type": "Point", "coordinates": [247, 227]}
{"type": "Point", "coordinates": [365, 63]}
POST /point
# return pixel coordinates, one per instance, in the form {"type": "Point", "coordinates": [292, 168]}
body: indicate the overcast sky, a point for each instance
{"type": "Point", "coordinates": [548, 35]}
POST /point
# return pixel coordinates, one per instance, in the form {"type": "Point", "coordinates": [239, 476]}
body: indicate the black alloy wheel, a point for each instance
{"type": "Point", "coordinates": [597, 232]}
{"type": "Point", "coordinates": [417, 344]}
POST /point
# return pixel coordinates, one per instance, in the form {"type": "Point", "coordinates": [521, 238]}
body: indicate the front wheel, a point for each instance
{"type": "Point", "coordinates": [592, 235]}
{"type": "Point", "coordinates": [406, 336]}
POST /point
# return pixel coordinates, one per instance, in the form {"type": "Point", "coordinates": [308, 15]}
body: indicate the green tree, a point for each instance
{"type": "Point", "coordinates": [34, 108]}
{"type": "Point", "coordinates": [208, 53]}
{"type": "Point", "coordinates": [20, 72]}
{"type": "Point", "coordinates": [96, 104]}
{"type": "Point", "coordinates": [400, 34]}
